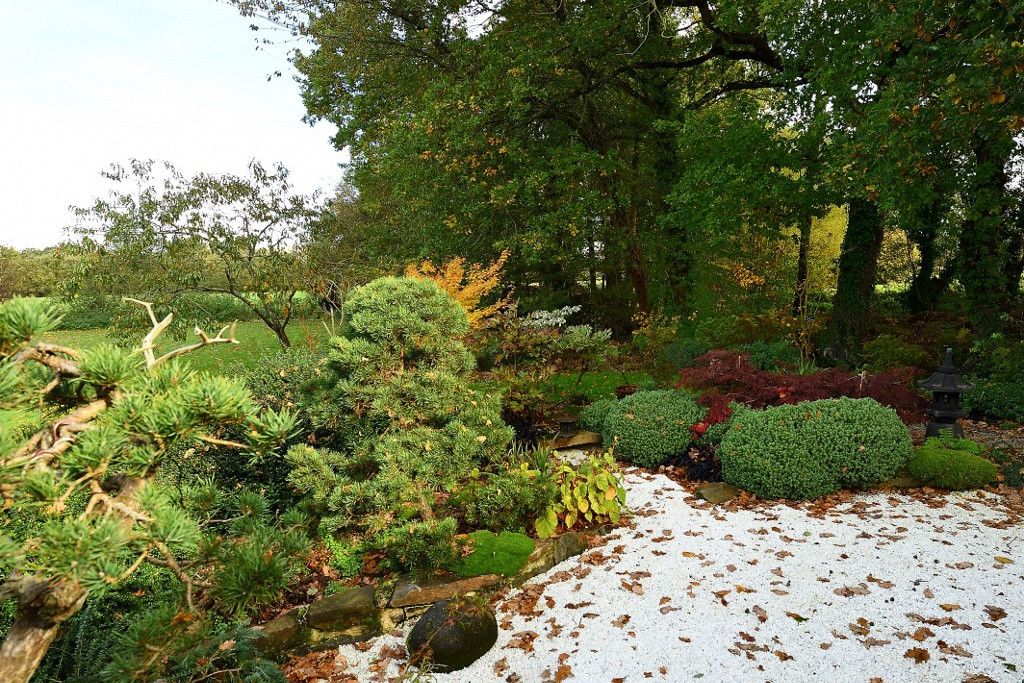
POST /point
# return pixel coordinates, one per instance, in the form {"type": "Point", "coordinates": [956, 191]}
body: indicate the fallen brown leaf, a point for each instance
{"type": "Point", "coordinates": [995, 613]}
{"type": "Point", "coordinates": [918, 654]}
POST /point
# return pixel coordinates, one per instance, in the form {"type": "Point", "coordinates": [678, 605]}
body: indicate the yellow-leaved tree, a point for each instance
{"type": "Point", "coordinates": [467, 285]}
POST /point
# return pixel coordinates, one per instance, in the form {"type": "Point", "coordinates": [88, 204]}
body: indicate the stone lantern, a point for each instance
{"type": "Point", "coordinates": [946, 387]}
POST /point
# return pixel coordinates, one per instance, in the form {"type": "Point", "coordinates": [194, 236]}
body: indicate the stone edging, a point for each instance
{"type": "Point", "coordinates": [360, 613]}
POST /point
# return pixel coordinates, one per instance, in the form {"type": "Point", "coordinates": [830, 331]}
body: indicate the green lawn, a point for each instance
{"type": "Point", "coordinates": [255, 340]}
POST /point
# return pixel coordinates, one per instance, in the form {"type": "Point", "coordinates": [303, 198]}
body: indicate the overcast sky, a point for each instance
{"type": "Point", "coordinates": [85, 83]}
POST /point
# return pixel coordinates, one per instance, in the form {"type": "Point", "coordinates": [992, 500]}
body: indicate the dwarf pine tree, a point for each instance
{"type": "Point", "coordinates": [397, 387]}
{"type": "Point", "coordinates": [82, 437]}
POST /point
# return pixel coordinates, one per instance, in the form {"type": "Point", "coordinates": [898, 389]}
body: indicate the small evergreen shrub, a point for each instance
{"type": "Point", "coordinates": [953, 464]}
{"type": "Point", "coordinates": [592, 417]}
{"type": "Point", "coordinates": [420, 548]}
{"type": "Point", "coordinates": [888, 352]}
{"type": "Point", "coordinates": [404, 428]}
{"type": "Point", "coordinates": [996, 400]}
{"type": "Point", "coordinates": [997, 358]}
{"type": "Point", "coordinates": [503, 553]}
{"type": "Point", "coordinates": [811, 449]}
{"type": "Point", "coordinates": [651, 426]}
{"type": "Point", "coordinates": [508, 500]}
{"type": "Point", "coordinates": [771, 356]}
{"type": "Point", "coordinates": [683, 353]}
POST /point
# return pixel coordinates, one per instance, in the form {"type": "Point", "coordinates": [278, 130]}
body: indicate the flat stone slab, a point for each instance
{"type": "Point", "coordinates": [580, 438]}
{"type": "Point", "coordinates": [278, 634]}
{"type": "Point", "coordinates": [346, 607]}
{"type": "Point", "coordinates": [717, 492]}
{"type": "Point", "coordinates": [568, 545]}
{"type": "Point", "coordinates": [434, 590]}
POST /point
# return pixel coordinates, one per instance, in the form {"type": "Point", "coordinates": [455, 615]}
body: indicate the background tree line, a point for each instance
{"type": "Point", "coordinates": [712, 160]}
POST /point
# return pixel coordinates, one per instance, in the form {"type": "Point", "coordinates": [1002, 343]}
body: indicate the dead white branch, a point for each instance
{"type": "Point", "coordinates": [149, 341]}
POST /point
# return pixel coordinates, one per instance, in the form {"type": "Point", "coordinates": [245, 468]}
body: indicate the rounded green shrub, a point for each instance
{"type": "Point", "coordinates": [651, 426]}
{"type": "Point", "coordinates": [813, 448]}
{"type": "Point", "coordinates": [592, 417]}
{"type": "Point", "coordinates": [997, 400]}
{"type": "Point", "coordinates": [953, 464]}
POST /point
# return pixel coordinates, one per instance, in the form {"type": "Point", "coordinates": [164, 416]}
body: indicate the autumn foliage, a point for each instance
{"type": "Point", "coordinates": [467, 285]}
{"type": "Point", "coordinates": [731, 375]}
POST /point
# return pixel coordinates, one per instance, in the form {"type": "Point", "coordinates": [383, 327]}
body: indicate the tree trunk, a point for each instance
{"type": "Point", "coordinates": [982, 252]}
{"type": "Point", "coordinates": [925, 289]}
{"type": "Point", "coordinates": [627, 218]}
{"type": "Point", "coordinates": [858, 261]}
{"type": "Point", "coordinates": [800, 296]}
{"type": "Point", "coordinates": [42, 608]}
{"type": "Point", "coordinates": [282, 336]}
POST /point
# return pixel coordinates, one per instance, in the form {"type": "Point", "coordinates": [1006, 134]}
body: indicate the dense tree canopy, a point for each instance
{"type": "Point", "coordinates": [624, 140]}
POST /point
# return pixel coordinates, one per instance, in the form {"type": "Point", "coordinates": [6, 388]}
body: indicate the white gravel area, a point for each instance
{"type": "Point", "coordinates": [879, 587]}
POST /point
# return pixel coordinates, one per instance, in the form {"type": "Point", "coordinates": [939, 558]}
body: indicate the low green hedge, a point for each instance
{"type": "Point", "coordinates": [651, 426]}
{"type": "Point", "coordinates": [997, 400]}
{"type": "Point", "coordinates": [813, 448]}
{"type": "Point", "coordinates": [953, 464]}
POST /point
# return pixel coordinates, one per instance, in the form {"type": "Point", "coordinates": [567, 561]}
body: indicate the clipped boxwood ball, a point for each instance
{"type": "Point", "coordinates": [813, 448]}
{"type": "Point", "coordinates": [651, 426]}
{"type": "Point", "coordinates": [451, 635]}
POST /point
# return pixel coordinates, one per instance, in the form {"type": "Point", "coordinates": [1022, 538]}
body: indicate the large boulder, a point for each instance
{"type": "Point", "coordinates": [452, 634]}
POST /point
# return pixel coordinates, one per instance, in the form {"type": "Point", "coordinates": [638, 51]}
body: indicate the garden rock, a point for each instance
{"type": "Point", "coordinates": [430, 591]}
{"type": "Point", "coordinates": [717, 492]}
{"type": "Point", "coordinates": [451, 635]}
{"type": "Point", "coordinates": [352, 605]}
{"type": "Point", "coordinates": [580, 438]}
{"type": "Point", "coordinates": [278, 634]}
{"type": "Point", "coordinates": [568, 545]}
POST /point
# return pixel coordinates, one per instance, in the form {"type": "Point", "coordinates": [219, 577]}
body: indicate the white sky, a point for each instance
{"type": "Point", "coordinates": [85, 83]}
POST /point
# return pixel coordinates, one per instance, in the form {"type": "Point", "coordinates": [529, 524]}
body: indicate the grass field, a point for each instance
{"type": "Point", "coordinates": [255, 340]}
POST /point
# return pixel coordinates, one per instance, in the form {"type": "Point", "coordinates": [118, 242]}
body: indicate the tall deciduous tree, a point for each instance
{"type": "Point", "coordinates": [529, 125]}
{"type": "Point", "coordinates": [161, 235]}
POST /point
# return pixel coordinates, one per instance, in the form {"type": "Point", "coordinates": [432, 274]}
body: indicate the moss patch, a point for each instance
{"type": "Point", "coordinates": [504, 553]}
{"type": "Point", "coordinates": [953, 464]}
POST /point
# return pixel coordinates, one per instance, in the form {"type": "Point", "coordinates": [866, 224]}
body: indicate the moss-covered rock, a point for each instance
{"type": "Point", "coordinates": [503, 553]}
{"type": "Point", "coordinates": [953, 464]}
{"type": "Point", "coordinates": [452, 634]}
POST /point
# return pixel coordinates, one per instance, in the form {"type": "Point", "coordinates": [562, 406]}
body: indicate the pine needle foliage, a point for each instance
{"type": "Point", "coordinates": [397, 388]}
{"type": "Point", "coordinates": [85, 434]}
